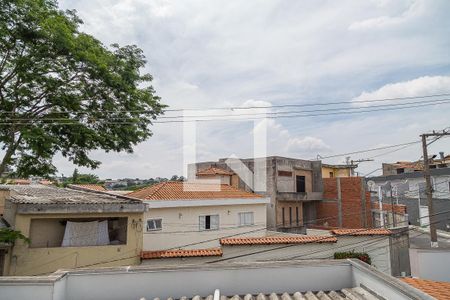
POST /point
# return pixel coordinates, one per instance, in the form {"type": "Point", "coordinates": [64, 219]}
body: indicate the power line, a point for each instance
{"type": "Point", "coordinates": [278, 106]}
{"type": "Point", "coordinates": [249, 114]}
{"type": "Point", "coordinates": [137, 121]}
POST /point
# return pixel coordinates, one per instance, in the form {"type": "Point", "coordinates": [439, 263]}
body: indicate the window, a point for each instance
{"type": "Point", "coordinates": [282, 215]}
{"type": "Point", "coordinates": [154, 224]}
{"type": "Point", "coordinates": [296, 214]}
{"type": "Point", "coordinates": [77, 232]}
{"type": "Point", "coordinates": [210, 222]}
{"type": "Point", "coordinates": [331, 174]}
{"type": "Point", "coordinates": [285, 173]}
{"type": "Point", "coordinates": [301, 184]}
{"type": "Point", "coordinates": [245, 218]}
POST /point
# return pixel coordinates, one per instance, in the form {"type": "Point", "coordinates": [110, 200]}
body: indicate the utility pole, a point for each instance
{"type": "Point", "coordinates": [394, 221]}
{"type": "Point", "coordinates": [429, 188]}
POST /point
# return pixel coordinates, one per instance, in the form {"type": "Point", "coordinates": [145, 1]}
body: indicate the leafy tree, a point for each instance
{"type": "Point", "coordinates": [63, 91]}
{"type": "Point", "coordinates": [8, 235]}
{"type": "Point", "coordinates": [74, 178]}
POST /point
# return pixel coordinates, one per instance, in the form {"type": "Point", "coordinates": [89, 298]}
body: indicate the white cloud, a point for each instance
{"type": "Point", "coordinates": [414, 9]}
{"type": "Point", "coordinates": [308, 143]}
{"type": "Point", "coordinates": [223, 53]}
{"type": "Point", "coordinates": [422, 86]}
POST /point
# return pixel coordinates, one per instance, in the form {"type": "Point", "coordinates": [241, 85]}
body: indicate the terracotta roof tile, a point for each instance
{"type": "Point", "coordinates": [172, 190]}
{"type": "Point", "coordinates": [272, 240]}
{"type": "Point", "coordinates": [362, 231]}
{"type": "Point", "coordinates": [214, 171]}
{"type": "Point", "coordinates": [181, 253]}
{"type": "Point", "coordinates": [93, 187]}
{"type": "Point", "coordinates": [437, 289]}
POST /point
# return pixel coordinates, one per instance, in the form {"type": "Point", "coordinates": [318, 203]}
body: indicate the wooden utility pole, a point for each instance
{"type": "Point", "coordinates": [429, 188]}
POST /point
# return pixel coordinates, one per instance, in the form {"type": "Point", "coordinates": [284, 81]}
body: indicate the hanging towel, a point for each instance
{"type": "Point", "coordinates": [81, 234]}
{"type": "Point", "coordinates": [103, 234]}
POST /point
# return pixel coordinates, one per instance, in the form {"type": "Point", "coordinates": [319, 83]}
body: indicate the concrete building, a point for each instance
{"type": "Point", "coordinates": [293, 186]}
{"type": "Point", "coordinates": [409, 189]}
{"type": "Point", "coordinates": [194, 216]}
{"type": "Point", "coordinates": [70, 229]}
{"type": "Point", "coordinates": [401, 167]}
{"type": "Point", "coordinates": [313, 280]}
{"type": "Point", "coordinates": [332, 171]}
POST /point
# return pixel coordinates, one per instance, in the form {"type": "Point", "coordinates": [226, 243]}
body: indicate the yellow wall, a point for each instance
{"type": "Point", "coordinates": [35, 261]}
{"type": "Point", "coordinates": [180, 226]}
{"type": "Point", "coordinates": [337, 172]}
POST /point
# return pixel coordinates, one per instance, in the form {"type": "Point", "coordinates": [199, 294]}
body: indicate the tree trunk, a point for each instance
{"type": "Point", "coordinates": [8, 155]}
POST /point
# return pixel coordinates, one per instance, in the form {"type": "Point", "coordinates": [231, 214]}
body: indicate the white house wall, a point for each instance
{"type": "Point", "coordinates": [377, 247]}
{"type": "Point", "coordinates": [180, 226]}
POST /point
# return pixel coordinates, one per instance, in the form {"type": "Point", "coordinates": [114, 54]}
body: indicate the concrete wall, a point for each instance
{"type": "Point", "coordinates": [180, 226]}
{"type": "Point", "coordinates": [229, 279]}
{"type": "Point", "coordinates": [441, 208]}
{"type": "Point", "coordinates": [35, 261]}
{"type": "Point", "coordinates": [337, 172]}
{"type": "Point", "coordinates": [432, 264]}
{"type": "Point", "coordinates": [274, 183]}
{"type": "Point", "coordinates": [377, 247]}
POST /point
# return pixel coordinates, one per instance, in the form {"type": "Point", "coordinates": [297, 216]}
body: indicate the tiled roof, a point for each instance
{"type": "Point", "coordinates": [19, 181]}
{"type": "Point", "coordinates": [343, 294]}
{"type": "Point", "coordinates": [45, 182]}
{"type": "Point", "coordinates": [45, 194]}
{"type": "Point", "coordinates": [172, 190]}
{"type": "Point", "coordinates": [362, 231]}
{"type": "Point", "coordinates": [181, 253]}
{"type": "Point", "coordinates": [272, 240]}
{"type": "Point", "coordinates": [438, 289]}
{"type": "Point", "coordinates": [94, 187]}
{"type": "Point", "coordinates": [214, 171]}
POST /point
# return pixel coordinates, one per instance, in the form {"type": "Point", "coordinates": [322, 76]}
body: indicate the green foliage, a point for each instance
{"type": "Point", "coordinates": [9, 236]}
{"type": "Point", "coordinates": [62, 91]}
{"type": "Point", "coordinates": [363, 256]}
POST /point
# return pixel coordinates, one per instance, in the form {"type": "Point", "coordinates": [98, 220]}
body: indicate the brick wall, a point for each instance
{"type": "Point", "coordinates": [398, 208]}
{"type": "Point", "coordinates": [352, 207]}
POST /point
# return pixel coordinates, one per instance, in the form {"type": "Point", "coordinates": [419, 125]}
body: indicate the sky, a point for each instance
{"type": "Point", "coordinates": [209, 54]}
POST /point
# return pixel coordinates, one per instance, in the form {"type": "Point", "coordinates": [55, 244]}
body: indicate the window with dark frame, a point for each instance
{"type": "Point", "coordinates": [209, 222]}
{"type": "Point", "coordinates": [301, 184]}
{"type": "Point", "coordinates": [154, 224]}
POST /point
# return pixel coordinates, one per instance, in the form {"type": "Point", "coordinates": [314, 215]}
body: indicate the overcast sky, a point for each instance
{"type": "Point", "coordinates": [208, 53]}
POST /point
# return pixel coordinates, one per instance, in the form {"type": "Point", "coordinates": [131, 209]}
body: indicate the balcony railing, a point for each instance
{"type": "Point", "coordinates": [293, 196]}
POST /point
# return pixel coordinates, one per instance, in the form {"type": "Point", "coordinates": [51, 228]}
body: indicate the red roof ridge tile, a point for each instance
{"type": "Point", "coordinates": [269, 240]}
{"type": "Point", "coordinates": [179, 253]}
{"type": "Point", "coordinates": [361, 231]}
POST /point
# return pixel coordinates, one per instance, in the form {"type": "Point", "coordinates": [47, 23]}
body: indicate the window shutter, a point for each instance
{"type": "Point", "coordinates": [201, 222]}
{"type": "Point", "coordinates": [215, 222]}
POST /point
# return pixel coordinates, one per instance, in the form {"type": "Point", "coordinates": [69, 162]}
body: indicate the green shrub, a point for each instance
{"type": "Point", "coordinates": [363, 256]}
{"type": "Point", "coordinates": [9, 236]}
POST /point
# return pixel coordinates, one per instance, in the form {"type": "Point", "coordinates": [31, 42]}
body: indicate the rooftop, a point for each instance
{"type": "Point", "coordinates": [272, 240]}
{"type": "Point", "coordinates": [94, 187]}
{"type": "Point", "coordinates": [438, 289]}
{"type": "Point", "coordinates": [176, 190]}
{"type": "Point", "coordinates": [181, 253]}
{"type": "Point", "coordinates": [362, 231]}
{"type": "Point", "coordinates": [43, 198]}
{"type": "Point", "coordinates": [314, 279]}
{"type": "Point", "coordinates": [214, 171]}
